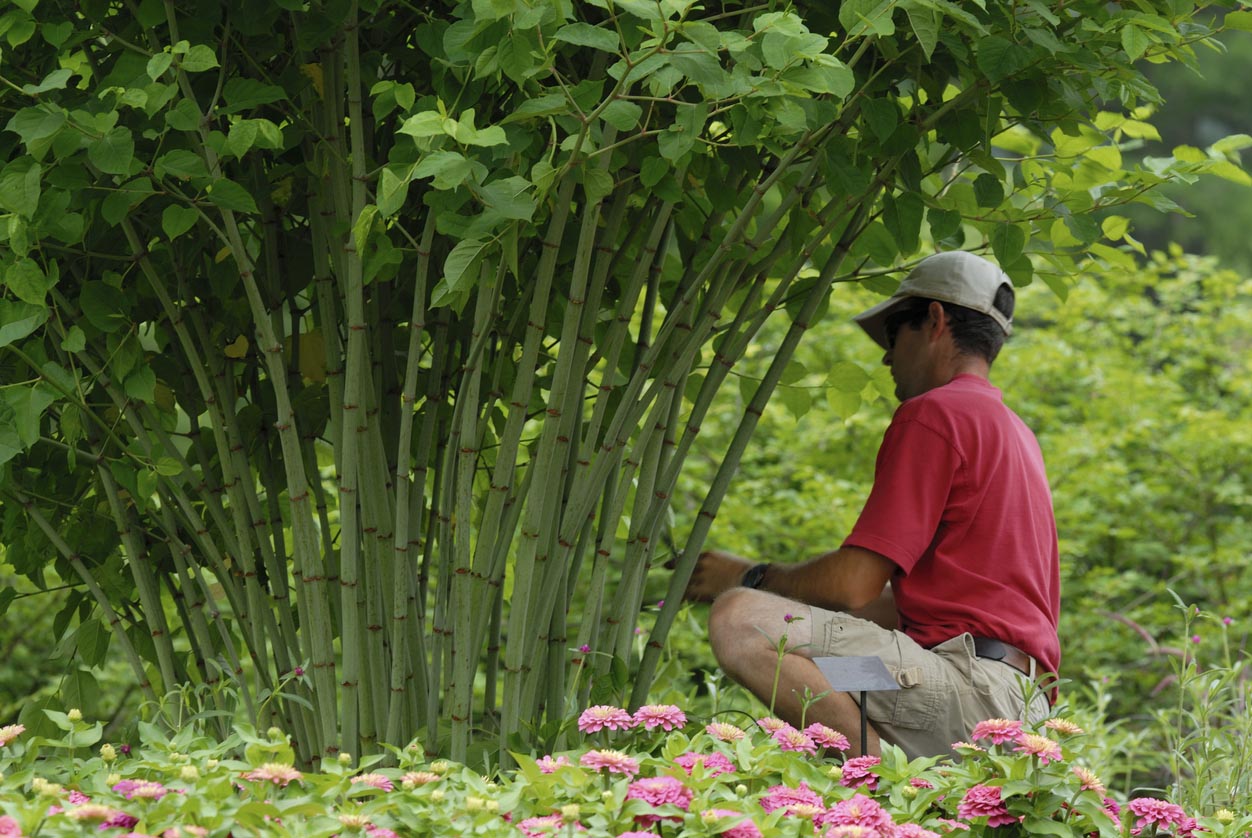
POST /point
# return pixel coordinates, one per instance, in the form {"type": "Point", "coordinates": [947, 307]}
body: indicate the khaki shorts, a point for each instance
{"type": "Point", "coordinates": [944, 691]}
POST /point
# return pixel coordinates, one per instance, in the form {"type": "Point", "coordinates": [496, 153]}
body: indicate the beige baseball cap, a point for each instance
{"type": "Point", "coordinates": [956, 277]}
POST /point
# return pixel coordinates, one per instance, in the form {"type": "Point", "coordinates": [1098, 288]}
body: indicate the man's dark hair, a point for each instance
{"type": "Point", "coordinates": [973, 332]}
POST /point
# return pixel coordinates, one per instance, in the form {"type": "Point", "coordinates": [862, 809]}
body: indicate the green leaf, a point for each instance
{"type": "Point", "coordinates": [361, 229]}
{"type": "Point", "coordinates": [862, 17]}
{"type": "Point", "coordinates": [19, 319]}
{"type": "Point", "coordinates": [27, 281]}
{"type": "Point", "coordinates": [75, 340]}
{"type": "Point", "coordinates": [56, 33]}
{"type": "Point", "coordinates": [242, 94]}
{"type": "Point", "coordinates": [176, 220]}
{"type": "Point", "coordinates": [842, 403]}
{"type": "Point", "coordinates": [1007, 242]}
{"type": "Point", "coordinates": [104, 306]}
{"type": "Point", "coordinates": [231, 196]}
{"type": "Point", "coordinates": [902, 215]}
{"type": "Point", "coordinates": [113, 153]}
{"type": "Point", "coordinates": [999, 58]}
{"type": "Point", "coordinates": [242, 136]}
{"type": "Point", "coordinates": [586, 35]}
{"type": "Point", "coordinates": [20, 187]}
{"type": "Point", "coordinates": [36, 123]}
{"type": "Point", "coordinates": [393, 188]}
{"type": "Point", "coordinates": [198, 59]}
{"type": "Point", "coordinates": [943, 223]}
{"type": "Point", "coordinates": [510, 198]}
{"type": "Point", "coordinates": [882, 116]}
{"type": "Point", "coordinates": [1238, 20]}
{"type": "Point", "coordinates": [988, 190]}
{"type": "Point", "coordinates": [180, 163]}
{"type": "Point", "coordinates": [925, 24]}
{"type": "Point", "coordinates": [92, 641]}
{"type": "Point", "coordinates": [158, 64]}
{"type": "Point", "coordinates": [459, 268]}
{"type": "Point", "coordinates": [448, 168]}
{"type": "Point", "coordinates": [140, 385]}
{"type": "Point", "coordinates": [1135, 41]}
{"type": "Point", "coordinates": [622, 115]}
{"type": "Point", "coordinates": [56, 80]}
{"type": "Point", "coordinates": [431, 123]}
{"type": "Point", "coordinates": [847, 376]}
{"type": "Point", "coordinates": [29, 404]}
{"type": "Point", "coordinates": [597, 183]}
{"type": "Point", "coordinates": [796, 399]}
{"type": "Point", "coordinates": [652, 171]}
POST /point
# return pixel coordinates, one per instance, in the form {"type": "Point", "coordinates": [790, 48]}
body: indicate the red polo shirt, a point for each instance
{"type": "Point", "coordinates": [961, 505]}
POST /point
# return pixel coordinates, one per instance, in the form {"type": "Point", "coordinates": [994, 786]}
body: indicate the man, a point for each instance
{"type": "Point", "coordinates": [951, 573]}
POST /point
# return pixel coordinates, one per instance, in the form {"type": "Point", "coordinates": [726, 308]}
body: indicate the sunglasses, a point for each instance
{"type": "Point", "coordinates": [892, 325]}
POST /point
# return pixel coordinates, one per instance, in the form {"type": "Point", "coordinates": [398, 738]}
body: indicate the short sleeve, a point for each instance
{"type": "Point", "coordinates": [913, 478]}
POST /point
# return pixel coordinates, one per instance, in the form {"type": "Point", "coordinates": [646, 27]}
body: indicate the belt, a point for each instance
{"type": "Point", "coordinates": [998, 650]}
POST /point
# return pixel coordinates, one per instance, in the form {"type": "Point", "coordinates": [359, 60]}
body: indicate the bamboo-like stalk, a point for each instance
{"type": "Point", "coordinates": [145, 581]}
{"type": "Point", "coordinates": [515, 662]}
{"type": "Point", "coordinates": [408, 658]}
{"type": "Point", "coordinates": [97, 593]}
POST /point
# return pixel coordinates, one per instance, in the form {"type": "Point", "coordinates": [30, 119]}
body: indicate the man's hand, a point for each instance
{"type": "Point", "coordinates": [716, 572]}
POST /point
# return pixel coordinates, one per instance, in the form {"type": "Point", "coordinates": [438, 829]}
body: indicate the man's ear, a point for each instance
{"type": "Point", "coordinates": [937, 323]}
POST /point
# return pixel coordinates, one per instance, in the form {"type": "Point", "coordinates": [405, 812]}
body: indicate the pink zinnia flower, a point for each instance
{"type": "Point", "coordinates": [604, 716]}
{"type": "Point", "coordinates": [659, 791]}
{"type": "Point", "coordinates": [546, 825]}
{"type": "Point", "coordinates": [714, 763]}
{"type": "Point", "coordinates": [827, 737]}
{"type": "Point", "coordinates": [145, 789]}
{"type": "Point", "coordinates": [1063, 726]}
{"type": "Point", "coordinates": [790, 739]}
{"type": "Point", "coordinates": [985, 802]}
{"type": "Point", "coordinates": [1040, 746]}
{"type": "Point", "coordinates": [785, 797]}
{"type": "Point", "coordinates": [856, 772]}
{"type": "Point", "coordinates": [379, 832]}
{"type": "Point", "coordinates": [664, 716]}
{"type": "Point", "coordinates": [912, 830]}
{"type": "Point", "coordinates": [120, 820]}
{"type": "Point", "coordinates": [851, 830]}
{"type": "Point", "coordinates": [1088, 781]}
{"type": "Point", "coordinates": [997, 730]}
{"type": "Point", "coordinates": [377, 781]}
{"type": "Point", "coordinates": [724, 731]}
{"type": "Point", "coordinates": [9, 828]}
{"type": "Point", "coordinates": [548, 764]}
{"type": "Point", "coordinates": [1159, 813]}
{"type": "Point", "coordinates": [745, 828]}
{"type": "Point", "coordinates": [615, 762]}
{"type": "Point", "coordinates": [91, 812]}
{"type": "Point", "coordinates": [634, 833]}
{"type": "Point", "coordinates": [769, 724]}
{"type": "Point", "coordinates": [921, 783]}
{"type": "Point", "coordinates": [412, 779]}
{"type": "Point", "coordinates": [77, 798]}
{"type": "Point", "coordinates": [273, 772]}
{"type": "Point", "coordinates": [1113, 809]}
{"type": "Point", "coordinates": [953, 826]}
{"type": "Point", "coordinates": [10, 732]}
{"type": "Point", "coordinates": [968, 746]}
{"type": "Point", "coordinates": [862, 811]}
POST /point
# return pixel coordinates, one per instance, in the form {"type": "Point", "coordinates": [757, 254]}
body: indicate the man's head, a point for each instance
{"type": "Point", "coordinates": [977, 299]}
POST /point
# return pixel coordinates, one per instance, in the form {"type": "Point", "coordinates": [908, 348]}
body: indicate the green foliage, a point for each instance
{"type": "Point", "coordinates": [370, 340]}
{"type": "Point", "coordinates": [684, 781]}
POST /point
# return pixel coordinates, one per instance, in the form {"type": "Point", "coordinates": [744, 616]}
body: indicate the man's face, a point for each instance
{"type": "Point", "coordinates": [909, 355]}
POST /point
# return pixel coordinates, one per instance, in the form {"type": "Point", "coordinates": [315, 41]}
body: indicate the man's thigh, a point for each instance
{"type": "Point", "coordinates": [943, 693]}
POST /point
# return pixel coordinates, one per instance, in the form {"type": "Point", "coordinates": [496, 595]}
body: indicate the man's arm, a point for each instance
{"type": "Point", "coordinates": [846, 579]}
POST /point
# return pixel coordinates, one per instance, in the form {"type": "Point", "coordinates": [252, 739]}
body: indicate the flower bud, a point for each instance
{"type": "Point", "coordinates": [345, 759]}
{"type": "Point", "coordinates": [440, 766]}
{"type": "Point", "coordinates": [113, 779]}
{"type": "Point", "coordinates": [210, 764]}
{"type": "Point", "coordinates": [436, 796]}
{"type": "Point", "coordinates": [74, 715]}
{"type": "Point", "coordinates": [474, 804]}
{"type": "Point", "coordinates": [1224, 815]}
{"type": "Point", "coordinates": [493, 805]}
{"type": "Point", "coordinates": [276, 733]}
{"type": "Point", "coordinates": [570, 812]}
{"type": "Point", "coordinates": [107, 752]}
{"type": "Point", "coordinates": [741, 790]}
{"type": "Point", "coordinates": [189, 773]}
{"type": "Point", "coordinates": [909, 791]}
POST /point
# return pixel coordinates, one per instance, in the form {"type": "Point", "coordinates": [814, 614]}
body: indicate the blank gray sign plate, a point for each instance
{"type": "Point", "coordinates": [859, 674]}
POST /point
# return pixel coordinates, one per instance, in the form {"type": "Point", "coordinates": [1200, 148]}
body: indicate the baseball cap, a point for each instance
{"type": "Point", "coordinates": [956, 277]}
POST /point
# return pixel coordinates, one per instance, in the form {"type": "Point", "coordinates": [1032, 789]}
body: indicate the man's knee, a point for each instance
{"type": "Point", "coordinates": [739, 629]}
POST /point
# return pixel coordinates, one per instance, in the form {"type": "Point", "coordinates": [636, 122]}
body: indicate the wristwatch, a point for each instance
{"type": "Point", "coordinates": [755, 576]}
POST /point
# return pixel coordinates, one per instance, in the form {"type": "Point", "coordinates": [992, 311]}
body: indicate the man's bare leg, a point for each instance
{"type": "Point", "coordinates": [745, 627]}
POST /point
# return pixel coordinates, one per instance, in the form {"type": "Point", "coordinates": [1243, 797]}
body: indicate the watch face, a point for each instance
{"type": "Point", "coordinates": [754, 576]}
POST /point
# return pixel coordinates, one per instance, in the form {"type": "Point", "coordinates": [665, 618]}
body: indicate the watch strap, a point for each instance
{"type": "Point", "coordinates": [755, 576]}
